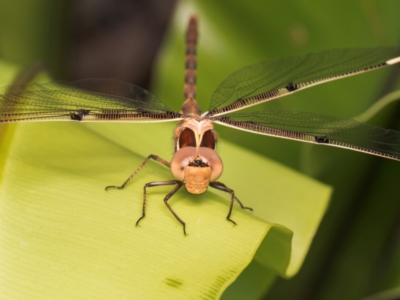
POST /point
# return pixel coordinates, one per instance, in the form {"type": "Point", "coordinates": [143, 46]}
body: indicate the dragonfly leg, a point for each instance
{"type": "Point", "coordinates": [151, 156]}
{"type": "Point", "coordinates": [222, 187]}
{"type": "Point", "coordinates": [169, 195]}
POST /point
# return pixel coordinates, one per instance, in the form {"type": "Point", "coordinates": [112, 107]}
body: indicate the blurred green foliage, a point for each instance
{"type": "Point", "coordinates": [356, 251]}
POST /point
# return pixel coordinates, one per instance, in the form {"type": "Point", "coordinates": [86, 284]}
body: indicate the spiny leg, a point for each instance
{"type": "Point", "coordinates": [220, 184]}
{"type": "Point", "coordinates": [152, 184]}
{"type": "Point", "coordinates": [222, 187]}
{"type": "Point", "coordinates": [152, 156]}
{"type": "Point", "coordinates": [169, 195]}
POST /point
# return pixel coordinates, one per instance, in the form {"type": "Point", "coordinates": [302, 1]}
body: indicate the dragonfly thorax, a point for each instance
{"type": "Point", "coordinates": [190, 107]}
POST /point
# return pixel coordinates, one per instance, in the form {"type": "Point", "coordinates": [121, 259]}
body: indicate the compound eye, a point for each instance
{"type": "Point", "coordinates": [182, 158]}
{"type": "Point", "coordinates": [187, 138]}
{"type": "Point", "coordinates": [212, 159]}
{"type": "Point", "coordinates": [208, 140]}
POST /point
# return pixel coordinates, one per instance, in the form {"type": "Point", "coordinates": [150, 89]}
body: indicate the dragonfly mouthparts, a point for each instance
{"type": "Point", "coordinates": [198, 162]}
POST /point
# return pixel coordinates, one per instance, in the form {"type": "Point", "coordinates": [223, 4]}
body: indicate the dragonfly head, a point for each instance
{"type": "Point", "coordinates": [196, 168]}
{"type": "Point", "coordinates": [192, 132]}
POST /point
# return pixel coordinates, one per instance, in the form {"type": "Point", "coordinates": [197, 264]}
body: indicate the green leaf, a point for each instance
{"type": "Point", "coordinates": [64, 236]}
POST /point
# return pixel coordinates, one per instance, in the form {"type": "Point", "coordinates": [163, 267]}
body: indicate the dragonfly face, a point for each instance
{"type": "Point", "coordinates": [195, 161]}
{"type": "Point", "coordinates": [195, 164]}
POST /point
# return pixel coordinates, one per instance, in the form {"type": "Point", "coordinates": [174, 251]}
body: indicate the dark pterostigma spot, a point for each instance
{"type": "Point", "coordinates": [78, 115]}
{"type": "Point", "coordinates": [321, 140]}
{"type": "Point", "coordinates": [291, 87]}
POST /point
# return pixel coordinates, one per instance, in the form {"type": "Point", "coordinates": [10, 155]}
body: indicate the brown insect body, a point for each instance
{"type": "Point", "coordinates": [195, 163]}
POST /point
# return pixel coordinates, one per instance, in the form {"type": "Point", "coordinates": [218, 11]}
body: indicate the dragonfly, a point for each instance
{"type": "Point", "coordinates": [195, 164]}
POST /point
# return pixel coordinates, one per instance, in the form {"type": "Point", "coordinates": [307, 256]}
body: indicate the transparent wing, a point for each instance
{"type": "Point", "coordinates": [84, 100]}
{"type": "Point", "coordinates": [265, 81]}
{"type": "Point", "coordinates": [318, 129]}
